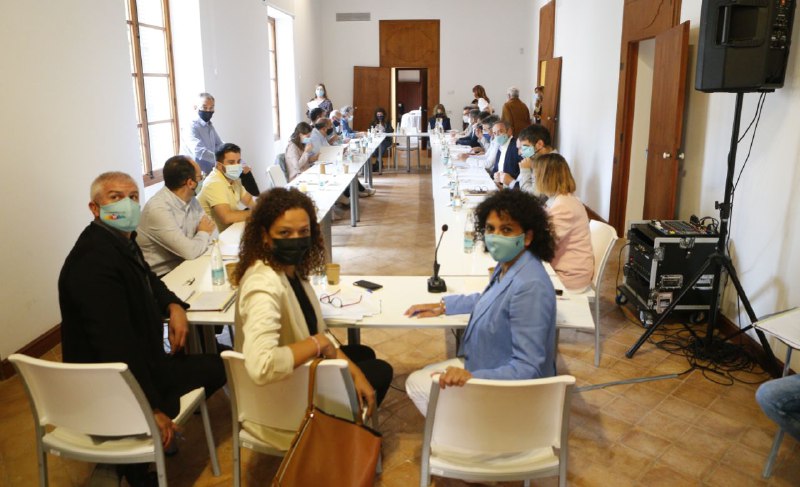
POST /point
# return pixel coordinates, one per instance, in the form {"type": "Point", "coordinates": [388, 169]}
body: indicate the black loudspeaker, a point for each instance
{"type": "Point", "coordinates": [744, 45]}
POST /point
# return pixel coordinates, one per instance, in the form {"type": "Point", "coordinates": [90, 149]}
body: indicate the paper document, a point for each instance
{"type": "Point", "coordinates": [331, 153]}
{"type": "Point", "coordinates": [313, 104]}
{"type": "Point", "coordinates": [212, 300]}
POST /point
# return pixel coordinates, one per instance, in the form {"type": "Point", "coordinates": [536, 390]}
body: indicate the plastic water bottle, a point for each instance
{"type": "Point", "coordinates": [217, 269]}
{"type": "Point", "coordinates": [469, 234]}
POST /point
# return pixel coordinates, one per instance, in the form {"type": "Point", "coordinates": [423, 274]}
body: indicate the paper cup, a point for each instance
{"type": "Point", "coordinates": [230, 270]}
{"type": "Point", "coordinates": [332, 271]}
{"type": "Point", "coordinates": [322, 168]}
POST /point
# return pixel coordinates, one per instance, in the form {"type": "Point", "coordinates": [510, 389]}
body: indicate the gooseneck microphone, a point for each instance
{"type": "Point", "coordinates": [435, 283]}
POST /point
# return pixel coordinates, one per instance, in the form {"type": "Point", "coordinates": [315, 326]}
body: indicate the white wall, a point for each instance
{"type": "Point", "coordinates": [236, 66]}
{"type": "Point", "coordinates": [588, 39]}
{"type": "Point", "coordinates": [764, 231]}
{"type": "Point", "coordinates": [467, 58]}
{"type": "Point", "coordinates": [68, 115]}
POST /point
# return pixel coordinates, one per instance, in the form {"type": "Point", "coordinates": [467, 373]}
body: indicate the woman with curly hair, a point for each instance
{"type": "Point", "coordinates": [278, 318]}
{"type": "Point", "coordinates": [511, 330]}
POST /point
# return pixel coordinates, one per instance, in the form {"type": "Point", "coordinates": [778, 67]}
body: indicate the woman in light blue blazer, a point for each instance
{"type": "Point", "coordinates": [511, 332]}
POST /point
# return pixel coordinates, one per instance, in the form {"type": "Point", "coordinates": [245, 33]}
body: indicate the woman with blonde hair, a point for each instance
{"type": "Point", "coordinates": [574, 259]}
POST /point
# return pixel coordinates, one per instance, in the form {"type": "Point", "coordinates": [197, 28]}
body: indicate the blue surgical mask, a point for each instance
{"type": "Point", "coordinates": [487, 137]}
{"type": "Point", "coordinates": [320, 92]}
{"type": "Point", "coordinates": [199, 187]}
{"type": "Point", "coordinates": [527, 151]}
{"type": "Point", "coordinates": [504, 249]}
{"type": "Point", "coordinates": [501, 139]}
{"type": "Point", "coordinates": [122, 215]}
{"type": "Point", "coordinates": [233, 171]}
{"type": "Point", "coordinates": [306, 140]}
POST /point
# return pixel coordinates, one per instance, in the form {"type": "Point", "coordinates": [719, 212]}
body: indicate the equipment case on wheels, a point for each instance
{"type": "Point", "coordinates": [664, 256]}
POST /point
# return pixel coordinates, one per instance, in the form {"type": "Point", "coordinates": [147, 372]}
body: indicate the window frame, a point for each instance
{"type": "Point", "coordinates": [143, 123]}
{"type": "Point", "coordinates": [273, 78]}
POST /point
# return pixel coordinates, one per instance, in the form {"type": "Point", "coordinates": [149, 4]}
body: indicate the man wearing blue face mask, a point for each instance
{"type": "Point", "coordinates": [223, 192]}
{"type": "Point", "coordinates": [113, 309]}
{"type": "Point", "coordinates": [173, 226]}
{"type": "Point", "coordinates": [507, 159]}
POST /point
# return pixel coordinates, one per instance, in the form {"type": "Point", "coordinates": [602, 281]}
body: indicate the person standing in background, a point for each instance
{"type": "Point", "coordinates": [320, 100]}
{"type": "Point", "coordinates": [515, 111]}
{"type": "Point", "coordinates": [537, 104]}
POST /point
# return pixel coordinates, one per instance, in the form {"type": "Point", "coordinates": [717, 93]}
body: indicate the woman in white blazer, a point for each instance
{"type": "Point", "coordinates": [279, 323]}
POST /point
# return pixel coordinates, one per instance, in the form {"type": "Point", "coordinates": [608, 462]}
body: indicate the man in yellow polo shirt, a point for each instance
{"type": "Point", "coordinates": [222, 190]}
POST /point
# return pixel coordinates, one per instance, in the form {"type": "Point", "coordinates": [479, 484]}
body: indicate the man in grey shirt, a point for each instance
{"type": "Point", "coordinates": [173, 226]}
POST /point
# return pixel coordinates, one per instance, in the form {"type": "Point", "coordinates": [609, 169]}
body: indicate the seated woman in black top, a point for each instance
{"type": "Point", "coordinates": [439, 114]}
{"type": "Point", "coordinates": [278, 317]}
{"type": "Point", "coordinates": [382, 123]}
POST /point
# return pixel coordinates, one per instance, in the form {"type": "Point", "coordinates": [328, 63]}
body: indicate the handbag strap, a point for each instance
{"type": "Point", "coordinates": [312, 380]}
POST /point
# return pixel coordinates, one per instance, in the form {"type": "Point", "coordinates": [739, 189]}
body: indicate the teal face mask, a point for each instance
{"type": "Point", "coordinates": [504, 249]}
{"type": "Point", "coordinates": [527, 151]}
{"type": "Point", "coordinates": [199, 187]}
{"type": "Point", "coordinates": [306, 140]}
{"type": "Point", "coordinates": [501, 139]}
{"type": "Point", "coordinates": [233, 171]}
{"type": "Point", "coordinates": [122, 215]}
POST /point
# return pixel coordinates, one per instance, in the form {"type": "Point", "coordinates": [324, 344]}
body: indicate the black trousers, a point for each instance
{"type": "Point", "coordinates": [378, 372]}
{"type": "Point", "coordinates": [181, 373]}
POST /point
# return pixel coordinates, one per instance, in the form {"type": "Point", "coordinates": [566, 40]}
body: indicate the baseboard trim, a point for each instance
{"type": "Point", "coordinates": [36, 348]}
{"type": "Point", "coordinates": [748, 343]}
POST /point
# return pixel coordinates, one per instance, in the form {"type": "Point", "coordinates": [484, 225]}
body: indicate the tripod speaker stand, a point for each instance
{"type": "Point", "coordinates": [716, 262]}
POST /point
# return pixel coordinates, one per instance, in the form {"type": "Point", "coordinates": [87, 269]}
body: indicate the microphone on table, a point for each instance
{"type": "Point", "coordinates": [435, 283]}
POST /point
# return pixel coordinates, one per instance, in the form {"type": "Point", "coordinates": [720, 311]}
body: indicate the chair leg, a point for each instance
{"type": "Point", "coordinates": [597, 328]}
{"type": "Point", "coordinates": [212, 448]}
{"type": "Point", "coordinates": [773, 454]}
{"type": "Point", "coordinates": [42, 461]}
{"type": "Point", "coordinates": [237, 459]}
{"type": "Point", "coordinates": [161, 470]}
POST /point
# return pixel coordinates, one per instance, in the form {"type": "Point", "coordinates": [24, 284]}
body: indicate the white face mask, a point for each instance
{"type": "Point", "coordinates": [466, 118]}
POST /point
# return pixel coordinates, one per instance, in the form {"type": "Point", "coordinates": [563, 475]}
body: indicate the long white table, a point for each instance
{"type": "Point", "coordinates": [396, 296]}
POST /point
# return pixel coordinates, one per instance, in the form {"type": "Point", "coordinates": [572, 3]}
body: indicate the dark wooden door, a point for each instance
{"type": "Point", "coordinates": [547, 34]}
{"type": "Point", "coordinates": [372, 88]}
{"type": "Point", "coordinates": [666, 123]}
{"type": "Point", "coordinates": [552, 86]}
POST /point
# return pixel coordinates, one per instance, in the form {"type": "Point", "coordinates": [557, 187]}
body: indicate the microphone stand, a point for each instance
{"type": "Point", "coordinates": [435, 283]}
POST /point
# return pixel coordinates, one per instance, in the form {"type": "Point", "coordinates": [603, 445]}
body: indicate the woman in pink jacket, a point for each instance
{"type": "Point", "coordinates": [574, 260]}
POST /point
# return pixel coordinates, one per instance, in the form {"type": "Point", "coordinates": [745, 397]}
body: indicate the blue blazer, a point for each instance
{"type": "Point", "coordinates": [512, 160]}
{"type": "Point", "coordinates": [511, 333]}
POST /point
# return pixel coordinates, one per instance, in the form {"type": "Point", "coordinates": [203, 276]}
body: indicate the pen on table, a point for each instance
{"type": "Point", "coordinates": [189, 282]}
{"type": "Point", "coordinates": [189, 296]}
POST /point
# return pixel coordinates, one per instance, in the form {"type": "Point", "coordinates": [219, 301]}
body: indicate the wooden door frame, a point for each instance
{"type": "Point", "coordinates": [641, 20]}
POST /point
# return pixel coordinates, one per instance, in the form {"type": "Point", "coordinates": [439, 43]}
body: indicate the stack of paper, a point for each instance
{"type": "Point", "coordinates": [212, 300]}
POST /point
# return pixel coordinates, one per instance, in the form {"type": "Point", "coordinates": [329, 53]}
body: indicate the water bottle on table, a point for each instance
{"type": "Point", "coordinates": [217, 268]}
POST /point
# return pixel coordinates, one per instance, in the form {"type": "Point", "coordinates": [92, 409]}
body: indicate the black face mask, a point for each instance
{"type": "Point", "coordinates": [440, 115]}
{"type": "Point", "coordinates": [380, 117]}
{"type": "Point", "coordinates": [329, 131]}
{"type": "Point", "coordinates": [335, 123]}
{"type": "Point", "coordinates": [290, 251]}
{"type": "Point", "coordinates": [205, 116]}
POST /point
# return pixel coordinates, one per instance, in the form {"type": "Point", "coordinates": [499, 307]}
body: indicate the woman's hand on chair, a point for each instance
{"type": "Point", "coordinates": [364, 390]}
{"type": "Point", "coordinates": [165, 426]}
{"type": "Point", "coordinates": [454, 376]}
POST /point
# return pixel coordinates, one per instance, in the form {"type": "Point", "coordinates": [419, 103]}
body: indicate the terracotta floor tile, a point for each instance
{"type": "Point", "coordinates": [688, 463]}
{"type": "Point", "coordinates": [724, 476]}
{"type": "Point", "coordinates": [661, 474]}
{"type": "Point", "coordinates": [679, 409]}
{"type": "Point", "coordinates": [697, 395]}
{"type": "Point", "coordinates": [703, 443]}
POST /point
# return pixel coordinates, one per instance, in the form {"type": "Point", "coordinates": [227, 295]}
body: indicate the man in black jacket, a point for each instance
{"type": "Point", "coordinates": [113, 307]}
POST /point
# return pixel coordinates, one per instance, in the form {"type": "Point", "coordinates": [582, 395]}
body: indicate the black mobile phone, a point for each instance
{"type": "Point", "coordinates": [367, 285]}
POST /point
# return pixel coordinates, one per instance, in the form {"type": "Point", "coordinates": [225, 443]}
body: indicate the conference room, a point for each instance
{"type": "Point", "coordinates": [74, 85]}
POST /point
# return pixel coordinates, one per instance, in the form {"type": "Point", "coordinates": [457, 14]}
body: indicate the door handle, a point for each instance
{"type": "Point", "coordinates": [666, 155]}
{"type": "Point", "coordinates": [681, 155]}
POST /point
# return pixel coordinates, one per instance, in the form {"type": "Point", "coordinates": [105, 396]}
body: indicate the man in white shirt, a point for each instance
{"type": "Point", "coordinates": [173, 226]}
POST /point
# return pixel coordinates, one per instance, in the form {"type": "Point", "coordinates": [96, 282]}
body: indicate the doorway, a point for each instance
{"type": "Point", "coordinates": [410, 92]}
{"type": "Point", "coordinates": [641, 131]}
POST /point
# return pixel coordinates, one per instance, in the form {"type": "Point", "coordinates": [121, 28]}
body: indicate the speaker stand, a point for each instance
{"type": "Point", "coordinates": [716, 262]}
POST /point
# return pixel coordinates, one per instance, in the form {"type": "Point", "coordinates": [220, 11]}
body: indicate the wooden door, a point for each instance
{"type": "Point", "coordinates": [666, 123]}
{"type": "Point", "coordinates": [551, 83]}
{"type": "Point", "coordinates": [547, 34]}
{"type": "Point", "coordinates": [372, 88]}
{"type": "Point", "coordinates": [413, 44]}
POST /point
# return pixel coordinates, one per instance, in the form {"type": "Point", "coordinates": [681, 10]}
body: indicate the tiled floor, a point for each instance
{"type": "Point", "coordinates": [685, 431]}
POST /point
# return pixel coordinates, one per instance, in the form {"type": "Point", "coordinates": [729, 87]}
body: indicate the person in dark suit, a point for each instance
{"type": "Point", "coordinates": [113, 309]}
{"type": "Point", "coordinates": [381, 122]}
{"type": "Point", "coordinates": [439, 114]}
{"type": "Point", "coordinates": [470, 138]}
{"type": "Point", "coordinates": [507, 160]}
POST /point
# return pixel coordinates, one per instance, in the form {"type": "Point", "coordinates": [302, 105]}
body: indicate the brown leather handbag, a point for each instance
{"type": "Point", "coordinates": [328, 450]}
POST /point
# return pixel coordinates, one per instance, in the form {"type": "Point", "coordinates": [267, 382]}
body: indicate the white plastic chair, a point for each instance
{"type": "Point", "coordinates": [603, 238]}
{"type": "Point", "coordinates": [99, 414]}
{"type": "Point", "coordinates": [276, 176]}
{"type": "Point", "coordinates": [498, 430]}
{"type": "Point", "coordinates": [282, 404]}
